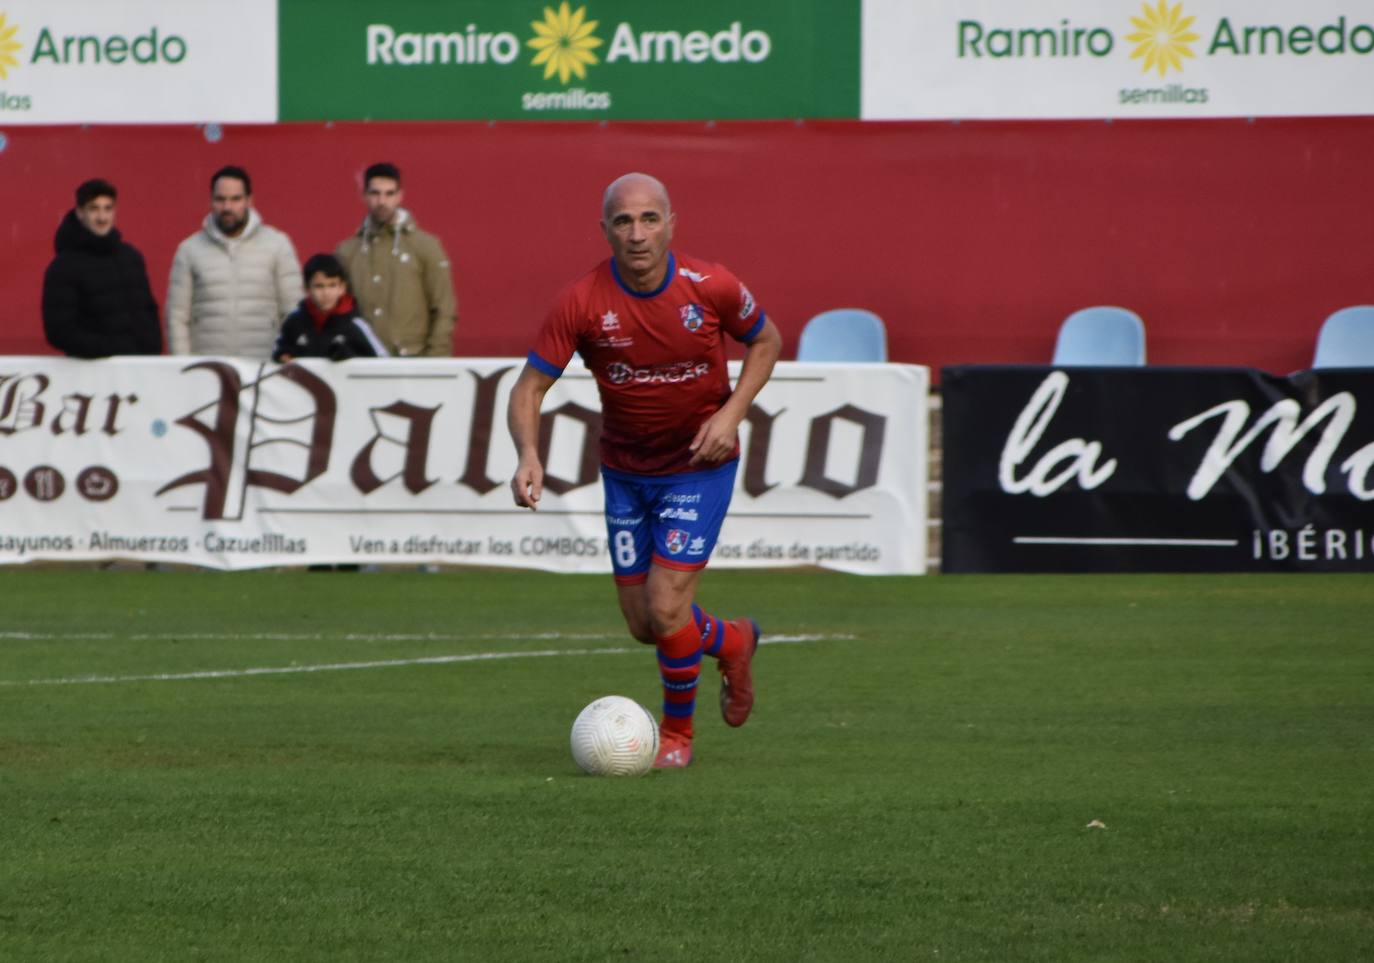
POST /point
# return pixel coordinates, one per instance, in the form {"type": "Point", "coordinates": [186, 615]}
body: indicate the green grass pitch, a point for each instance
{"type": "Point", "coordinates": [334, 766]}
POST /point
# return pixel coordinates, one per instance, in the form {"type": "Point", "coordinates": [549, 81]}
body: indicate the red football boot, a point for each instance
{"type": "Point", "coordinates": [736, 681]}
{"type": "Point", "coordinates": [674, 750]}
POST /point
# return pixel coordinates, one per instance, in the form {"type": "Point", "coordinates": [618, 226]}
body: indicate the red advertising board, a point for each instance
{"type": "Point", "coordinates": [1231, 239]}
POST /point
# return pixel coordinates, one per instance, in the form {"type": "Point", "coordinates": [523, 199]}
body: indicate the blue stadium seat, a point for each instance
{"type": "Point", "coordinates": [1346, 339]}
{"type": "Point", "coordinates": [1103, 335]}
{"type": "Point", "coordinates": [843, 334]}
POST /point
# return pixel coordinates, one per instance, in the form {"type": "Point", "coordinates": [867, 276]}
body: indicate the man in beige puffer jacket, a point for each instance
{"type": "Point", "coordinates": [234, 280]}
{"type": "Point", "coordinates": [399, 273]}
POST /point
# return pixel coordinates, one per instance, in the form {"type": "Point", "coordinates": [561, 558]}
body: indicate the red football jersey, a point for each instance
{"type": "Point", "coordinates": [658, 357]}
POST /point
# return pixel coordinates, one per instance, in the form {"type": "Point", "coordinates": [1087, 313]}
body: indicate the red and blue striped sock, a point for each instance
{"type": "Point", "coordinates": [679, 666]}
{"type": "Point", "coordinates": [721, 638]}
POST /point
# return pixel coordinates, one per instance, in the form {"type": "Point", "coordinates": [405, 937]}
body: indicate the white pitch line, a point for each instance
{"type": "Point", "coordinates": [301, 636]}
{"type": "Point", "coordinates": [379, 664]}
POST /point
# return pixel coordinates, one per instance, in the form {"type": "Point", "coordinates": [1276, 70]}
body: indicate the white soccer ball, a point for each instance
{"type": "Point", "coordinates": [615, 736]}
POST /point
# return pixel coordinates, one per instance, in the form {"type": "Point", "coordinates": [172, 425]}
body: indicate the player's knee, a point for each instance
{"type": "Point", "coordinates": [665, 619]}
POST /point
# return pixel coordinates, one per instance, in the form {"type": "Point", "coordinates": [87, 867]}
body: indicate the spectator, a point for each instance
{"type": "Point", "coordinates": [234, 280]}
{"type": "Point", "coordinates": [400, 273]}
{"type": "Point", "coordinates": [96, 298]}
{"type": "Point", "coordinates": [326, 325]}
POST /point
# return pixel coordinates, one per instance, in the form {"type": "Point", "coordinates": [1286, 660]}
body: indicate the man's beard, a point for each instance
{"type": "Point", "coordinates": [230, 223]}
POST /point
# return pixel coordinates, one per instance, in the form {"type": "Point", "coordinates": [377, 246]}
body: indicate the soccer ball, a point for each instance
{"type": "Point", "coordinates": [615, 736]}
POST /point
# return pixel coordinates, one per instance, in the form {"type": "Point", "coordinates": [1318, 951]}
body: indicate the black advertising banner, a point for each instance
{"type": "Point", "coordinates": [1157, 470]}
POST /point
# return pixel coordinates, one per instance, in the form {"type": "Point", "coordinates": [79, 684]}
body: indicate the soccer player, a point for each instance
{"type": "Point", "coordinates": [650, 325]}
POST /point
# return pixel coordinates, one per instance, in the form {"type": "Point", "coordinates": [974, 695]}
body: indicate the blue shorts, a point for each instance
{"type": "Point", "coordinates": [673, 520]}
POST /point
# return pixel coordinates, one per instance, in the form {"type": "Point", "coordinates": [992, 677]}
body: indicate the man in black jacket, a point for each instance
{"type": "Point", "coordinates": [96, 298]}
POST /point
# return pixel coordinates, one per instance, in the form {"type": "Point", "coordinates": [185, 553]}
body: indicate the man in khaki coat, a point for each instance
{"type": "Point", "coordinates": [399, 273]}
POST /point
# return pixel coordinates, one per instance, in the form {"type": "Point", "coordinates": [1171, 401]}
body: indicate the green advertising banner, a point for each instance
{"type": "Point", "coordinates": [530, 60]}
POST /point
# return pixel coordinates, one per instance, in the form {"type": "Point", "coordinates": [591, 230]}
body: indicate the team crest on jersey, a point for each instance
{"type": "Point", "coordinates": [746, 302]}
{"type": "Point", "coordinates": [677, 541]}
{"type": "Point", "coordinates": [693, 317]}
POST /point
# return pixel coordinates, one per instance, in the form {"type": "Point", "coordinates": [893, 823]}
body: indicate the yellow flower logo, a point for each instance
{"type": "Point", "coordinates": [564, 43]}
{"type": "Point", "coordinates": [8, 45]}
{"type": "Point", "coordinates": [1162, 37]}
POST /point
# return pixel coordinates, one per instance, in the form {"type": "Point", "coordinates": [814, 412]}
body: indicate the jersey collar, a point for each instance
{"type": "Point", "coordinates": [667, 279]}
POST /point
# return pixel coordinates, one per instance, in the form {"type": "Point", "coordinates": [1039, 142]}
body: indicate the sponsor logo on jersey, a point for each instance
{"type": "Point", "coordinates": [609, 322]}
{"type": "Point", "coordinates": [693, 275]}
{"type": "Point", "coordinates": [619, 343]}
{"type": "Point", "coordinates": [685, 514]}
{"type": "Point", "coordinates": [746, 302]}
{"type": "Point", "coordinates": [619, 373]}
{"type": "Point", "coordinates": [676, 541]}
{"type": "Point", "coordinates": [693, 317]}
{"type": "Point", "coordinates": [697, 546]}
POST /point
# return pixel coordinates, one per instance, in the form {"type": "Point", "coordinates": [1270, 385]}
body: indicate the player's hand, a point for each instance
{"type": "Point", "coordinates": [715, 439]}
{"type": "Point", "coordinates": [528, 485]}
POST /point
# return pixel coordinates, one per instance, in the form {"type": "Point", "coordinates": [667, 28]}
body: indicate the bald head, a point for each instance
{"type": "Point", "coordinates": [638, 219]}
{"type": "Point", "coordinates": [638, 183]}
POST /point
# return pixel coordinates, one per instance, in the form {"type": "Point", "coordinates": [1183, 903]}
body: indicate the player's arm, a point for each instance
{"type": "Point", "coordinates": [522, 418]}
{"type": "Point", "coordinates": [715, 439]}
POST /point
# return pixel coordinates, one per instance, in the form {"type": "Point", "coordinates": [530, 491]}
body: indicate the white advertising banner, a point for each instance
{"type": "Point", "coordinates": [137, 61]}
{"type": "Point", "coordinates": [1010, 59]}
{"type": "Point", "coordinates": [233, 464]}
